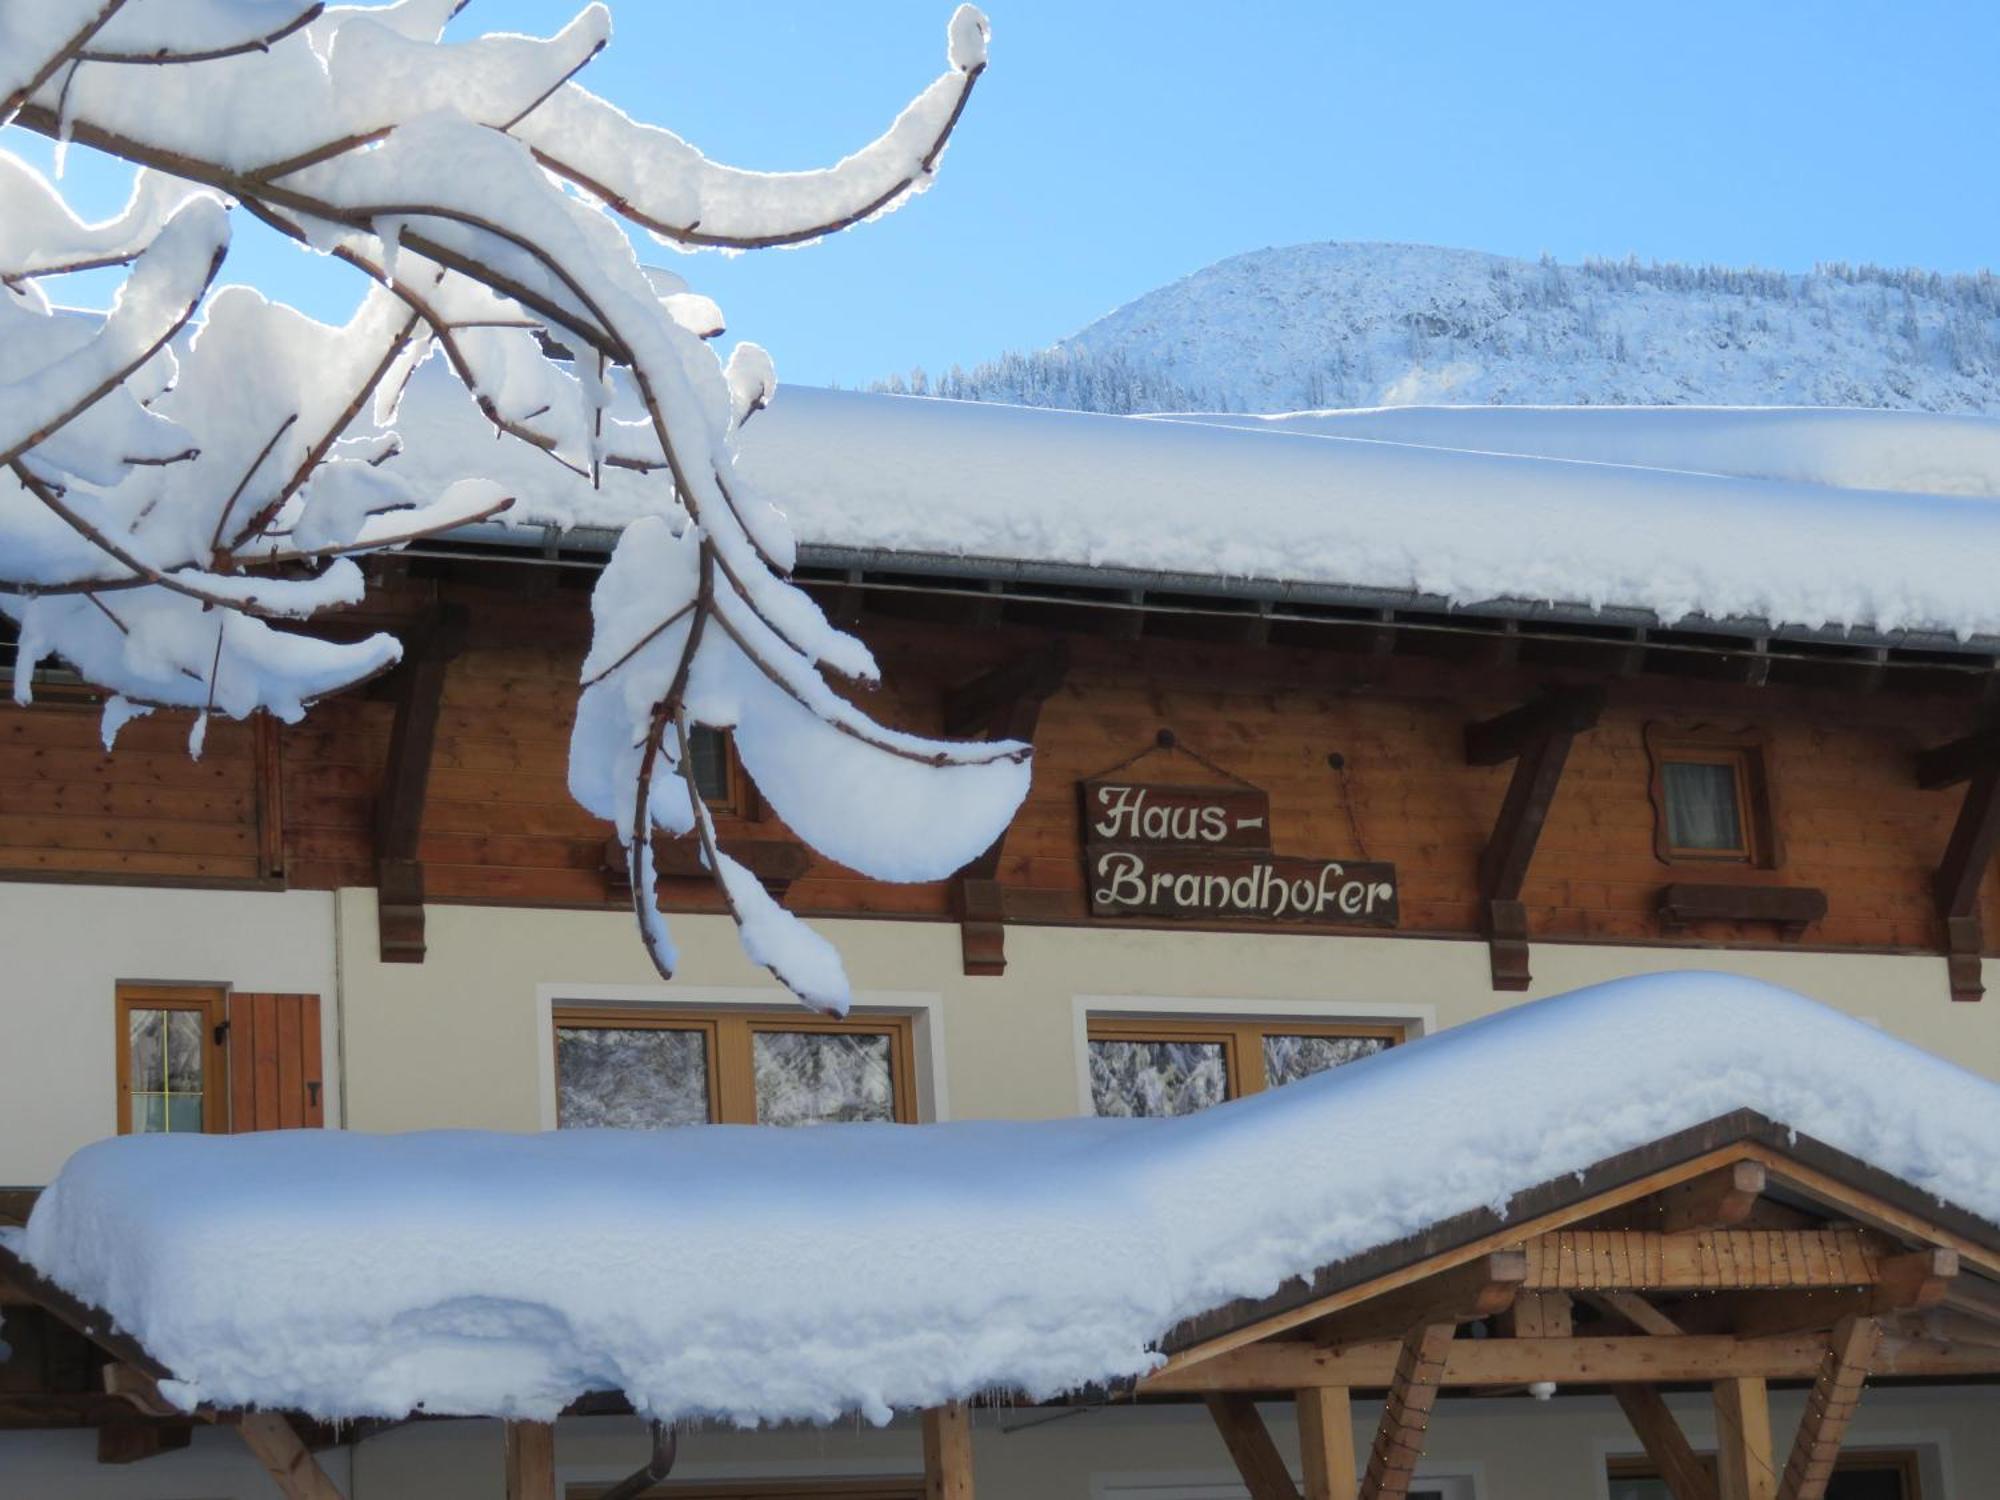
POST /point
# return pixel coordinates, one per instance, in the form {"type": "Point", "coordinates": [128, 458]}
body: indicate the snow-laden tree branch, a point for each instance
{"type": "Point", "coordinates": [184, 480]}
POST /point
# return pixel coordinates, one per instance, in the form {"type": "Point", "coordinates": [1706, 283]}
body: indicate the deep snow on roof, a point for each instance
{"type": "Point", "coordinates": [762, 1273]}
{"type": "Point", "coordinates": [1813, 518]}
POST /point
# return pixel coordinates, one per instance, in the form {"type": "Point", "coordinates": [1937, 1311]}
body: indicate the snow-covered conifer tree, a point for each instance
{"type": "Point", "coordinates": [185, 481]}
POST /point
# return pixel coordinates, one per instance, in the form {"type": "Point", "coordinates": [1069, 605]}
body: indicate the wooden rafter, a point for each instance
{"type": "Point", "coordinates": [399, 810]}
{"type": "Point", "coordinates": [1537, 738]}
{"type": "Point", "coordinates": [1326, 1442]}
{"type": "Point", "coordinates": [1250, 1446]}
{"type": "Point", "coordinates": [948, 1452]}
{"type": "Point", "coordinates": [1006, 704]}
{"type": "Point", "coordinates": [1685, 1475]}
{"type": "Point", "coordinates": [1636, 1310]}
{"type": "Point", "coordinates": [1406, 1414]}
{"type": "Point", "coordinates": [1836, 1392]}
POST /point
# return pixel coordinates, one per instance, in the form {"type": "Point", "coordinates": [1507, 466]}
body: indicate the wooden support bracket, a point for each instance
{"type": "Point", "coordinates": [1249, 1442]}
{"type": "Point", "coordinates": [1536, 737]}
{"type": "Point", "coordinates": [399, 810]}
{"type": "Point", "coordinates": [1836, 1392]}
{"type": "Point", "coordinates": [1406, 1414]}
{"type": "Point", "coordinates": [1974, 760]}
{"type": "Point", "coordinates": [285, 1457]}
{"type": "Point", "coordinates": [1003, 704]}
{"type": "Point", "coordinates": [1721, 1199]}
{"type": "Point", "coordinates": [1681, 1468]}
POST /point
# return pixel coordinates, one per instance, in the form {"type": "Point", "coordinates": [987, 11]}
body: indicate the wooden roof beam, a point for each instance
{"type": "Point", "coordinates": [1681, 1468]}
{"type": "Point", "coordinates": [1709, 1260]}
{"type": "Point", "coordinates": [1720, 1199]}
{"type": "Point", "coordinates": [1636, 1310]}
{"type": "Point", "coordinates": [1291, 1365]}
{"type": "Point", "coordinates": [1250, 1446]}
{"type": "Point", "coordinates": [1911, 1283]}
{"type": "Point", "coordinates": [1480, 1289]}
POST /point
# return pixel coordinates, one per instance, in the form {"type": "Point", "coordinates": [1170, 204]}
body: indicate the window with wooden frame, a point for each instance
{"type": "Point", "coordinates": [1158, 1065]}
{"type": "Point", "coordinates": [195, 1057]}
{"type": "Point", "coordinates": [717, 773]}
{"type": "Point", "coordinates": [173, 1063]}
{"type": "Point", "coordinates": [1867, 1474]}
{"type": "Point", "coordinates": [648, 1068]}
{"type": "Point", "coordinates": [1711, 797]}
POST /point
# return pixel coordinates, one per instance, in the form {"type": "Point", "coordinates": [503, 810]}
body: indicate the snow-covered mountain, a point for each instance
{"type": "Point", "coordinates": [1370, 325]}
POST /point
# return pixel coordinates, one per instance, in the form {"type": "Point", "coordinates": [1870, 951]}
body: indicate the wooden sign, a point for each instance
{"type": "Point", "coordinates": [1144, 814]}
{"type": "Point", "coordinates": [1255, 886]}
{"type": "Point", "coordinates": [1204, 853]}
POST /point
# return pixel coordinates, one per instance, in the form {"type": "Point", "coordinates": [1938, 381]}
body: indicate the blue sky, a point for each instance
{"type": "Point", "coordinates": [1113, 147]}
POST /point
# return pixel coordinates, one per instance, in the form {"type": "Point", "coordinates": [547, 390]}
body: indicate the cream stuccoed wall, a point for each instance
{"type": "Point", "coordinates": [67, 947]}
{"type": "Point", "coordinates": [463, 1039]}
{"type": "Point", "coordinates": [1476, 1449]}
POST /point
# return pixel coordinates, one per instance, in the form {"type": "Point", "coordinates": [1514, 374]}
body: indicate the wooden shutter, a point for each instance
{"type": "Point", "coordinates": [274, 1062]}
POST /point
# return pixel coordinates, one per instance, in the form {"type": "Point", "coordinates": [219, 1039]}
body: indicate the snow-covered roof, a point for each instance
{"type": "Point", "coordinates": [763, 1273]}
{"type": "Point", "coordinates": [1883, 521]}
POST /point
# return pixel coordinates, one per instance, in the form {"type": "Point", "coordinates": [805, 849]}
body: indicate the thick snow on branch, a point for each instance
{"type": "Point", "coordinates": [184, 481]}
{"type": "Point", "coordinates": [351, 1275]}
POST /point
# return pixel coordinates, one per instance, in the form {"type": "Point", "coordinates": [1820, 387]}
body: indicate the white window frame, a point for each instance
{"type": "Point", "coordinates": [1416, 1020]}
{"type": "Point", "coordinates": [924, 1009]}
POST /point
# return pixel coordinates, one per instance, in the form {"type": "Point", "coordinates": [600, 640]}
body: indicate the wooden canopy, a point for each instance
{"type": "Point", "coordinates": [1726, 1257]}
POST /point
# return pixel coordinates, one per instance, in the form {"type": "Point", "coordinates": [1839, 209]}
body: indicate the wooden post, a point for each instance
{"type": "Point", "coordinates": [285, 1457]}
{"type": "Point", "coordinates": [948, 1452]}
{"type": "Point", "coordinates": [531, 1461]}
{"type": "Point", "coordinates": [1326, 1442]}
{"type": "Point", "coordinates": [1743, 1440]}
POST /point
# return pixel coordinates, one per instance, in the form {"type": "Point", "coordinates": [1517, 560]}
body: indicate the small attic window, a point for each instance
{"type": "Point", "coordinates": [715, 773]}
{"type": "Point", "coordinates": [1711, 798]}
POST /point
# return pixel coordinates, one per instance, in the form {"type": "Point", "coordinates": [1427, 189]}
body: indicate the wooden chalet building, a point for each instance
{"type": "Point", "coordinates": [1273, 826]}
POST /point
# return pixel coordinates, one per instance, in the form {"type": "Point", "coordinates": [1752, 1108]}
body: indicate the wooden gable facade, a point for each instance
{"type": "Point", "coordinates": [1508, 768]}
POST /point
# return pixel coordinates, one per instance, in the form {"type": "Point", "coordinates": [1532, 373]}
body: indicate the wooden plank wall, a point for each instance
{"type": "Point", "coordinates": [499, 825]}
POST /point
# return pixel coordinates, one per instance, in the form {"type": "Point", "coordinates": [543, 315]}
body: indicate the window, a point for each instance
{"type": "Point", "coordinates": [651, 1068]}
{"type": "Point", "coordinates": [172, 1066]}
{"type": "Point", "coordinates": [1884, 1475]}
{"type": "Point", "coordinates": [716, 774]}
{"type": "Point", "coordinates": [1711, 798]}
{"type": "Point", "coordinates": [1156, 1066]}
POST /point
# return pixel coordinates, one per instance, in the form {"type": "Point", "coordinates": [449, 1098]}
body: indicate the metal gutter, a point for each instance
{"type": "Point", "coordinates": [599, 541]}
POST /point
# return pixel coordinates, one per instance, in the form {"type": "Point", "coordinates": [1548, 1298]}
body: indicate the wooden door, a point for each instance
{"type": "Point", "coordinates": [274, 1063]}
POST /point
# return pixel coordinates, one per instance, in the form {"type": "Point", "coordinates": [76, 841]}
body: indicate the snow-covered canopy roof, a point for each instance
{"type": "Point", "coordinates": [1876, 522]}
{"type": "Point", "coordinates": [762, 1273]}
